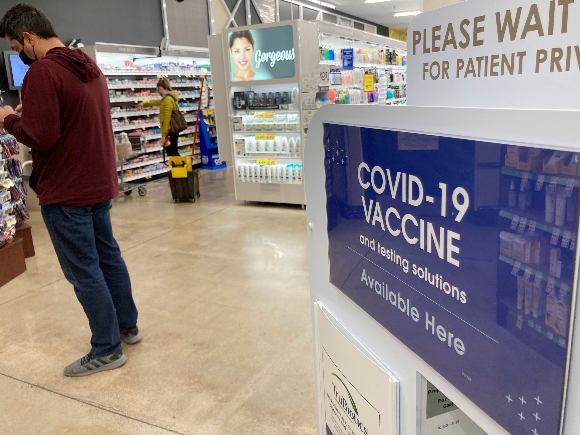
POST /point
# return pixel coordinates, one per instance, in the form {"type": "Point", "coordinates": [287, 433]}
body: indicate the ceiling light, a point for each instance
{"type": "Point", "coordinates": [324, 4]}
{"type": "Point", "coordinates": [376, 1]}
{"type": "Point", "coordinates": [407, 14]}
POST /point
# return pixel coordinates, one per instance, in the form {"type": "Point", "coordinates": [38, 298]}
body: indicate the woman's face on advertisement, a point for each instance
{"type": "Point", "coordinates": [242, 52]}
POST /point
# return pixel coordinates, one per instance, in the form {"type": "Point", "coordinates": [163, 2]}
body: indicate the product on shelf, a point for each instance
{"type": "Point", "coordinates": [270, 172]}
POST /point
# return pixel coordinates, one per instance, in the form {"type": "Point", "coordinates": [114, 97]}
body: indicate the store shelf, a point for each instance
{"type": "Point", "coordinates": [150, 86]}
{"type": "Point", "coordinates": [395, 100]}
{"type": "Point", "coordinates": [145, 175]}
{"type": "Point", "coordinates": [254, 132]}
{"type": "Point", "coordinates": [140, 164]}
{"type": "Point", "coordinates": [538, 218]}
{"type": "Point", "coordinates": [537, 324]}
{"type": "Point", "coordinates": [135, 126]}
{"type": "Point", "coordinates": [136, 98]}
{"type": "Point", "coordinates": [111, 73]}
{"type": "Point", "coordinates": [130, 99]}
{"type": "Point", "coordinates": [151, 150]}
{"type": "Point", "coordinates": [562, 179]}
{"type": "Point", "coordinates": [152, 137]}
{"type": "Point", "coordinates": [534, 269]}
{"type": "Point", "coordinates": [128, 114]}
{"type": "Point", "coordinates": [364, 65]}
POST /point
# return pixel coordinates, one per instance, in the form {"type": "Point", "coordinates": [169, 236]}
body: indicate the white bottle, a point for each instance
{"type": "Point", "coordinates": [292, 146]}
{"type": "Point", "coordinates": [560, 206]}
{"type": "Point", "coordinates": [284, 149]}
{"type": "Point", "coordinates": [241, 172]}
{"type": "Point", "coordinates": [550, 206]}
{"type": "Point", "coordinates": [299, 174]}
{"type": "Point", "coordinates": [298, 146]}
{"type": "Point", "coordinates": [277, 144]}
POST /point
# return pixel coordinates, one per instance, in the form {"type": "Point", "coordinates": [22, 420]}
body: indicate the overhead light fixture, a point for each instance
{"type": "Point", "coordinates": [377, 1]}
{"type": "Point", "coordinates": [324, 4]}
{"type": "Point", "coordinates": [407, 14]}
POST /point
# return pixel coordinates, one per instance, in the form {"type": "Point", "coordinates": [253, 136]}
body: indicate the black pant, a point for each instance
{"type": "Point", "coordinates": [172, 150]}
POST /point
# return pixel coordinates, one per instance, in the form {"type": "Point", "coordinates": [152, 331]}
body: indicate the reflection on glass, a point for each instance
{"type": "Point", "coordinates": [464, 250]}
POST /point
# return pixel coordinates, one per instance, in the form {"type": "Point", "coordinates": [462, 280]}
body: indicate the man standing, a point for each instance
{"type": "Point", "coordinates": [65, 120]}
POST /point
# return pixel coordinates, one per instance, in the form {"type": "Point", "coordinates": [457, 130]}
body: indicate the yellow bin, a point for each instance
{"type": "Point", "coordinates": [180, 166]}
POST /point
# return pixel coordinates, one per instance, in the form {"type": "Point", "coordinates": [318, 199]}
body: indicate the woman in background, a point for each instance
{"type": "Point", "coordinates": [167, 104]}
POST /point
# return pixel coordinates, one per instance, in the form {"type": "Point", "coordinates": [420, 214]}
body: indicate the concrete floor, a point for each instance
{"type": "Point", "coordinates": [223, 299]}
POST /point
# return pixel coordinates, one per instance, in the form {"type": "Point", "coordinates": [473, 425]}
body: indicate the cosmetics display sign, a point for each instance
{"type": "Point", "coordinates": [358, 395]}
{"type": "Point", "coordinates": [506, 47]}
{"type": "Point", "coordinates": [261, 54]}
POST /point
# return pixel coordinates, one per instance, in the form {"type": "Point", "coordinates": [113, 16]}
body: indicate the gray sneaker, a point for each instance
{"type": "Point", "coordinates": [130, 335]}
{"type": "Point", "coordinates": [90, 364]}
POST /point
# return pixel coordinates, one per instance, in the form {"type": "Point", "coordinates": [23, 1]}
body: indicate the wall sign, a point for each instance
{"type": "Point", "coordinates": [481, 294]}
{"type": "Point", "coordinates": [496, 53]}
{"type": "Point", "coordinates": [261, 54]}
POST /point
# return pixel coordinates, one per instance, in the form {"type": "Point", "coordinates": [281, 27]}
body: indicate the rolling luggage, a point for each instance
{"type": "Point", "coordinates": [185, 189]}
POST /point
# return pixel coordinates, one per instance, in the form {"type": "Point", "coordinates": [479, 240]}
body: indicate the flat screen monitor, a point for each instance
{"type": "Point", "coordinates": [15, 69]}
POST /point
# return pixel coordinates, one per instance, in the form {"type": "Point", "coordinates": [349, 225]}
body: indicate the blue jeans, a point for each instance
{"type": "Point", "coordinates": [91, 261]}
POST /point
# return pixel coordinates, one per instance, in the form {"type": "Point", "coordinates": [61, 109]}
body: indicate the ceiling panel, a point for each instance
{"type": "Point", "coordinates": [380, 13]}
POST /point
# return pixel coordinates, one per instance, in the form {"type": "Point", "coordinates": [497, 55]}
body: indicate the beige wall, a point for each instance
{"type": "Point", "coordinates": [429, 5]}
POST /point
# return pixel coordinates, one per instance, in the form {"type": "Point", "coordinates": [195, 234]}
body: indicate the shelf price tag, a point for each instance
{"type": "Point", "coordinates": [566, 239]}
{"type": "Point", "coordinates": [515, 222]}
{"type": "Point", "coordinates": [516, 268]}
{"type": "Point", "coordinates": [369, 83]}
{"type": "Point", "coordinates": [538, 278]}
{"type": "Point", "coordinates": [528, 273]}
{"type": "Point", "coordinates": [555, 236]}
{"type": "Point", "coordinates": [539, 328]}
{"type": "Point", "coordinates": [553, 184]}
{"type": "Point", "coordinates": [519, 323]}
{"type": "Point", "coordinates": [531, 323]}
{"type": "Point", "coordinates": [266, 161]}
{"type": "Point", "coordinates": [532, 228]}
{"type": "Point", "coordinates": [522, 225]}
{"type": "Point", "coordinates": [265, 136]}
{"type": "Point", "coordinates": [550, 335]}
{"type": "Point", "coordinates": [570, 186]}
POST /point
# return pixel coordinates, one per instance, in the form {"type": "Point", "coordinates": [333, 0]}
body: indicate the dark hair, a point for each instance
{"type": "Point", "coordinates": [164, 83]}
{"type": "Point", "coordinates": [241, 34]}
{"type": "Point", "coordinates": [25, 18]}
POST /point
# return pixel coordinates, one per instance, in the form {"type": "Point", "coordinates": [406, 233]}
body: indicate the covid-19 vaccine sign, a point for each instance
{"type": "Point", "coordinates": [465, 252]}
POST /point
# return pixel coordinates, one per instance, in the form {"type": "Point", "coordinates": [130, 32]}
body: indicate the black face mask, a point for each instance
{"type": "Point", "coordinates": [25, 59]}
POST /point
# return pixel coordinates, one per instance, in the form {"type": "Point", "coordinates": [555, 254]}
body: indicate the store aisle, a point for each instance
{"type": "Point", "coordinates": [222, 290]}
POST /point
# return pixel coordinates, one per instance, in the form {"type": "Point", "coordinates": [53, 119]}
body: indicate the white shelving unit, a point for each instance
{"type": "Point", "coordinates": [381, 50]}
{"type": "Point", "coordinates": [281, 178]}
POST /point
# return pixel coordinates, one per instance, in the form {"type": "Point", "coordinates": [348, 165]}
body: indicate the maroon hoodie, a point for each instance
{"type": "Point", "coordinates": [66, 122]}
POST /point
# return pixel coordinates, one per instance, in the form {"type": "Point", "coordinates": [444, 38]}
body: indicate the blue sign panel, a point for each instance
{"type": "Point", "coordinates": [347, 55]}
{"type": "Point", "coordinates": [463, 250]}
